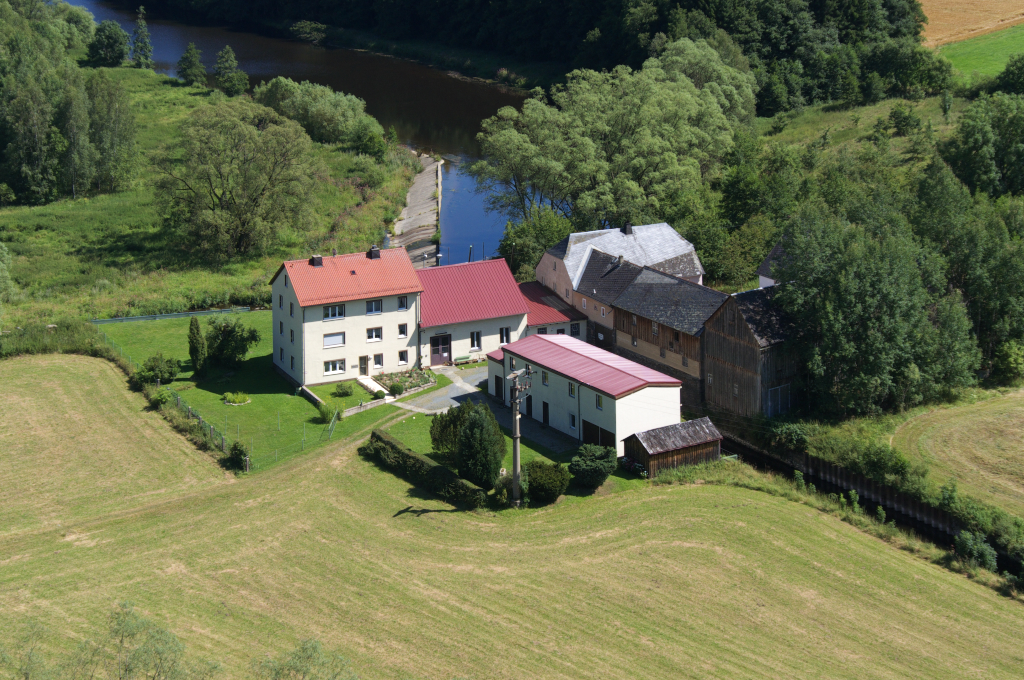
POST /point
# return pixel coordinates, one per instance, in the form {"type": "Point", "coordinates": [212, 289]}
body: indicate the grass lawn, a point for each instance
{"type": "Point", "coordinates": [987, 54]}
{"type": "Point", "coordinates": [441, 381]}
{"type": "Point", "coordinates": [979, 444]}
{"type": "Point", "coordinates": [109, 255]}
{"type": "Point", "coordinates": [657, 582]}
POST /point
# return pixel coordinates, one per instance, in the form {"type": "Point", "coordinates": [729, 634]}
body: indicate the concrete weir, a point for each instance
{"type": "Point", "coordinates": [420, 218]}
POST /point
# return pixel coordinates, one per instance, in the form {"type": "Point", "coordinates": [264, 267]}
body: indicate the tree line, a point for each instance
{"type": "Point", "coordinates": [800, 51]}
{"type": "Point", "coordinates": [64, 131]}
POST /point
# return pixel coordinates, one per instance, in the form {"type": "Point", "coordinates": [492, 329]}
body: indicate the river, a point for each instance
{"type": "Point", "coordinates": [431, 110]}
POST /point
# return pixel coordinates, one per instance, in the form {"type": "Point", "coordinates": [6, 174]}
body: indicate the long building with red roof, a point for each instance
{"type": "Point", "coordinates": [585, 391]}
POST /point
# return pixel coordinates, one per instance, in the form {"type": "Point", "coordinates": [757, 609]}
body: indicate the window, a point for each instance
{"type": "Point", "coordinates": [634, 319]}
{"type": "Point", "coordinates": [403, 330]}
{"type": "Point", "coordinates": [285, 280]}
{"type": "Point", "coordinates": [293, 363]}
{"type": "Point", "coordinates": [378, 361]}
{"type": "Point", "coordinates": [602, 312]}
{"type": "Point", "coordinates": [567, 294]}
{"type": "Point", "coordinates": [334, 340]}
{"type": "Point", "coordinates": [334, 312]}
{"type": "Point", "coordinates": [291, 333]}
{"type": "Point", "coordinates": [735, 390]}
{"type": "Point", "coordinates": [280, 327]}
{"type": "Point", "coordinates": [331, 367]}
{"type": "Point", "coordinates": [711, 379]}
{"type": "Point", "coordinates": [574, 330]}
{"type": "Point", "coordinates": [281, 355]}
{"type": "Point", "coordinates": [504, 335]}
{"type": "Point", "coordinates": [512, 363]}
{"type": "Point", "coordinates": [600, 402]}
{"type": "Point", "coordinates": [474, 340]}
{"type": "Point", "coordinates": [572, 390]}
{"type": "Point", "coordinates": [403, 303]}
{"type": "Point", "coordinates": [554, 266]}
{"type": "Point", "coordinates": [572, 421]}
{"type": "Point", "coordinates": [560, 331]}
{"type": "Point", "coordinates": [544, 377]}
{"type": "Point", "coordinates": [373, 307]}
{"type": "Point", "coordinates": [542, 331]}
{"type": "Point", "coordinates": [686, 361]}
{"type": "Point", "coordinates": [403, 357]}
{"type": "Point", "coordinates": [634, 340]}
{"type": "Point", "coordinates": [675, 335]}
{"type": "Point", "coordinates": [584, 303]}
{"type": "Point", "coordinates": [374, 334]}
{"type": "Point", "coordinates": [291, 309]}
{"type": "Point", "coordinates": [654, 328]}
{"type": "Point", "coordinates": [280, 301]}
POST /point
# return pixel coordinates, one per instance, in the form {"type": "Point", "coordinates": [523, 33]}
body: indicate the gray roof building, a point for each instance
{"type": "Point", "coordinates": [670, 301]}
{"type": "Point", "coordinates": [605, 277]}
{"type": "Point", "coordinates": [679, 436]}
{"type": "Point", "coordinates": [766, 320]}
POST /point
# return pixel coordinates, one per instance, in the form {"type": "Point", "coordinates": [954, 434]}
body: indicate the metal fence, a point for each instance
{"type": "Point", "coordinates": [176, 315]}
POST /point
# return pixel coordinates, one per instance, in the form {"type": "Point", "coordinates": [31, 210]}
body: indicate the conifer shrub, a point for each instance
{"type": "Point", "coordinates": [481, 448]}
{"type": "Point", "coordinates": [235, 458]}
{"type": "Point", "coordinates": [592, 464]}
{"type": "Point", "coordinates": [548, 481]}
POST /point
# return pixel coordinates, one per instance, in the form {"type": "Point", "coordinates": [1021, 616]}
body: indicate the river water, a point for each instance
{"type": "Point", "coordinates": [430, 110]}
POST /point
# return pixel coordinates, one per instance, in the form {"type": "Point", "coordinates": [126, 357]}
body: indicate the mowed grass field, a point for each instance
{"type": "Point", "coordinates": [986, 54]}
{"type": "Point", "coordinates": [656, 582]}
{"type": "Point", "coordinates": [981, 445]}
{"type": "Point", "coordinates": [953, 20]}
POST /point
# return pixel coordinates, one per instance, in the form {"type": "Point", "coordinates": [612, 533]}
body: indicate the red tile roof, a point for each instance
{"type": "Point", "coordinates": [546, 307]}
{"type": "Point", "coordinates": [351, 277]}
{"type": "Point", "coordinates": [592, 366]}
{"type": "Point", "coordinates": [474, 291]}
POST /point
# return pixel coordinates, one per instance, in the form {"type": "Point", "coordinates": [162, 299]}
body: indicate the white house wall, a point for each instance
{"type": "Point", "coordinates": [460, 344]}
{"type": "Point", "coordinates": [646, 409]}
{"type": "Point", "coordinates": [284, 299]}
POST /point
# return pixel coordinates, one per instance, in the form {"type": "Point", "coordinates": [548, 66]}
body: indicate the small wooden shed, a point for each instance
{"type": "Point", "coordinates": [689, 443]}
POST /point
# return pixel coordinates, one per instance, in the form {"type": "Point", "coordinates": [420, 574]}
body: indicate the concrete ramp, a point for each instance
{"type": "Point", "coordinates": [419, 220]}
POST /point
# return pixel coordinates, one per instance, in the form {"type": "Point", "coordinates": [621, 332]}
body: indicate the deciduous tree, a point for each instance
{"type": "Point", "coordinates": [109, 46]}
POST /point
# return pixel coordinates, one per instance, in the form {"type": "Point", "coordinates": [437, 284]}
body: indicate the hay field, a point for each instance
{"type": "Point", "coordinates": [659, 582]}
{"type": "Point", "coordinates": [981, 444]}
{"type": "Point", "coordinates": [953, 20]}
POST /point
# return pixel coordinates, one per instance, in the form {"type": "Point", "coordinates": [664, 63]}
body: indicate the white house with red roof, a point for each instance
{"type": "Point", "coordinates": [344, 316]}
{"type": "Point", "coordinates": [548, 315]}
{"type": "Point", "coordinates": [468, 310]}
{"type": "Point", "coordinates": [584, 391]}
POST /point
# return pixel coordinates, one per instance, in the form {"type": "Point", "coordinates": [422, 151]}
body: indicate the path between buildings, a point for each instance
{"type": "Point", "coordinates": [419, 219]}
{"type": "Point", "coordinates": [464, 386]}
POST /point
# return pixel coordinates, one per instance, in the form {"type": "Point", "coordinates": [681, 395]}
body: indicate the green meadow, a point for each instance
{"type": "Point", "coordinates": [987, 54]}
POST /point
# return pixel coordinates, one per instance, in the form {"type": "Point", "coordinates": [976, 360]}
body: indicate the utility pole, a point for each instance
{"type": "Point", "coordinates": [515, 389]}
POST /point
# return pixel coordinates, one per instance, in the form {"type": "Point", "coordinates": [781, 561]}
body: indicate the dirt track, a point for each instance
{"type": "Point", "coordinates": [955, 20]}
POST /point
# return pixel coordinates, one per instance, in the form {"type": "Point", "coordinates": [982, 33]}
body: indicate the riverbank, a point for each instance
{"type": "Point", "coordinates": [419, 222]}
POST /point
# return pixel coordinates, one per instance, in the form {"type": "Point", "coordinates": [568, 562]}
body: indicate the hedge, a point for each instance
{"type": "Point", "coordinates": [422, 471]}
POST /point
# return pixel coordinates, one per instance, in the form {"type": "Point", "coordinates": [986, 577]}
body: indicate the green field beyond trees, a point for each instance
{"type": "Point", "coordinates": [987, 54]}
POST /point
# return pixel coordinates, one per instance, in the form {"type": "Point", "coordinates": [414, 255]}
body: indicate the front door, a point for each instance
{"type": "Point", "coordinates": [529, 405]}
{"type": "Point", "coordinates": [546, 420]}
{"type": "Point", "coordinates": [499, 388]}
{"type": "Point", "coordinates": [364, 365]}
{"type": "Point", "coordinates": [440, 349]}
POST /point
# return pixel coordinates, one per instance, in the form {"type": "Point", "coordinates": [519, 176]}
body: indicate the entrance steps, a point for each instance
{"type": "Point", "coordinates": [372, 386]}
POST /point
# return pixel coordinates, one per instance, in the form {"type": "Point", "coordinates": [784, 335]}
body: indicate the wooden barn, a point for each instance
{"type": "Point", "coordinates": [689, 443]}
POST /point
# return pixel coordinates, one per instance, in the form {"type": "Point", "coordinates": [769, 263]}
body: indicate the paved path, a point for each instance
{"type": "Point", "coordinates": [419, 219]}
{"type": "Point", "coordinates": [464, 386]}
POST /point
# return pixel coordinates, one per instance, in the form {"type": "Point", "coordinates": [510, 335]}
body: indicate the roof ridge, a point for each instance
{"type": "Point", "coordinates": [551, 338]}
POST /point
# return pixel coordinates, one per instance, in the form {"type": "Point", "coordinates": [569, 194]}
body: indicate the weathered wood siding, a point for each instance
{"type": "Point", "coordinates": [664, 337]}
{"type": "Point", "coordinates": [693, 455]}
{"type": "Point", "coordinates": [732, 363]}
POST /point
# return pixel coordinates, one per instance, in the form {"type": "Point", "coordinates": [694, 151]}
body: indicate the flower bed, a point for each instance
{"type": "Point", "coordinates": [409, 380]}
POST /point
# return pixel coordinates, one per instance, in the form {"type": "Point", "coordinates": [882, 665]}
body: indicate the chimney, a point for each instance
{"type": "Point", "coordinates": [621, 260]}
{"type": "Point", "coordinates": [628, 229]}
{"type": "Point", "coordinates": [373, 253]}
{"type": "Point", "coordinates": [317, 261]}
{"type": "Point", "coordinates": [334, 252]}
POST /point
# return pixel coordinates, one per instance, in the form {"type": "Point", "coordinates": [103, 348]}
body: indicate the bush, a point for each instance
{"type": "Point", "coordinates": [481, 448]}
{"type": "Point", "coordinates": [422, 471]}
{"type": "Point", "coordinates": [326, 412]}
{"type": "Point", "coordinates": [1008, 366]}
{"type": "Point", "coordinates": [343, 389]}
{"type": "Point", "coordinates": [503, 488]}
{"type": "Point", "coordinates": [109, 46]}
{"type": "Point", "coordinates": [379, 394]}
{"type": "Point", "coordinates": [235, 458]}
{"type": "Point", "coordinates": [228, 341]}
{"type": "Point", "coordinates": [548, 481]}
{"type": "Point", "coordinates": [974, 551]}
{"type": "Point", "coordinates": [790, 438]}
{"type": "Point", "coordinates": [445, 428]}
{"type": "Point", "coordinates": [592, 464]}
{"type": "Point", "coordinates": [904, 120]}
{"type": "Point", "coordinates": [1012, 78]}
{"type": "Point", "coordinates": [156, 368]}
{"type": "Point", "coordinates": [396, 389]}
{"type": "Point", "coordinates": [236, 397]}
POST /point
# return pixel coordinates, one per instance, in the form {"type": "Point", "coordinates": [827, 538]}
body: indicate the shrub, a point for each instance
{"type": "Point", "coordinates": [904, 120]}
{"type": "Point", "coordinates": [445, 428]}
{"type": "Point", "coordinates": [228, 341]}
{"type": "Point", "coordinates": [592, 464]}
{"type": "Point", "coordinates": [548, 481]}
{"type": "Point", "coordinates": [379, 394]}
{"type": "Point", "coordinates": [790, 438]}
{"type": "Point", "coordinates": [481, 448]}
{"type": "Point", "coordinates": [422, 471]}
{"type": "Point", "coordinates": [156, 368]}
{"type": "Point", "coordinates": [343, 389]}
{"type": "Point", "coordinates": [503, 489]}
{"type": "Point", "coordinates": [236, 397]}
{"type": "Point", "coordinates": [798, 478]}
{"type": "Point", "coordinates": [1008, 366]}
{"type": "Point", "coordinates": [326, 412]}
{"type": "Point", "coordinates": [396, 389]}
{"type": "Point", "coordinates": [974, 551]}
{"type": "Point", "coordinates": [235, 458]}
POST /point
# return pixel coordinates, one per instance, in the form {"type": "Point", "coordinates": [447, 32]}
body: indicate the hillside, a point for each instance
{"type": "Point", "coordinates": [682, 581]}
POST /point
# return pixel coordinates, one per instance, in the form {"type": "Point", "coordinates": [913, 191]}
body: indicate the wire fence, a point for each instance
{"type": "Point", "coordinates": [121, 352]}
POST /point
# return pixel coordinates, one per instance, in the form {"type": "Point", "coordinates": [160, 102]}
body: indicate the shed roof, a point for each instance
{"type": "Point", "coordinates": [670, 301]}
{"type": "Point", "coordinates": [603, 278]}
{"type": "Point", "coordinates": [679, 436]}
{"type": "Point", "coordinates": [546, 307]}
{"type": "Point", "coordinates": [473, 291]}
{"type": "Point", "coordinates": [767, 321]}
{"type": "Point", "coordinates": [589, 365]}
{"type": "Point", "coordinates": [355, 276]}
{"type": "Point", "coordinates": [645, 245]}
